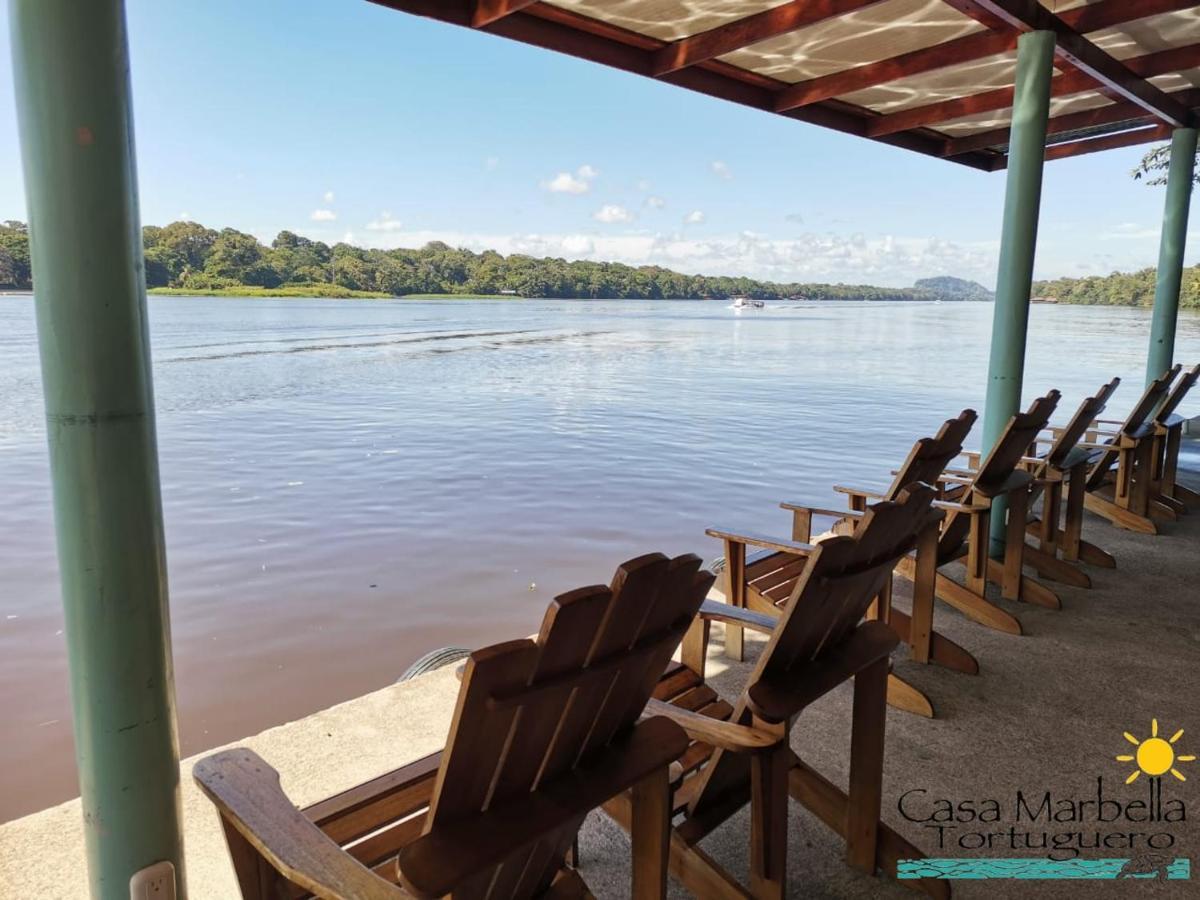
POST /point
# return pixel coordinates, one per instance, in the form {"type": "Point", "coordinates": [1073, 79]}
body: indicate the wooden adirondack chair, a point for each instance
{"type": "Point", "coordinates": [543, 732]}
{"type": "Point", "coordinates": [1168, 435]}
{"type": "Point", "coordinates": [741, 752]}
{"type": "Point", "coordinates": [970, 496]}
{"type": "Point", "coordinates": [1062, 470]}
{"type": "Point", "coordinates": [767, 577]}
{"type": "Point", "coordinates": [1123, 496]}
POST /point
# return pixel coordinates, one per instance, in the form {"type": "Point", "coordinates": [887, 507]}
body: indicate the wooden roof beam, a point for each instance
{"type": "Point", "coordinates": [1111, 114]}
{"type": "Point", "coordinates": [488, 11]}
{"type": "Point", "coordinates": [1074, 48]}
{"type": "Point", "coordinates": [1084, 19]}
{"type": "Point", "coordinates": [1177, 59]}
{"type": "Point", "coordinates": [1109, 142]}
{"type": "Point", "coordinates": [753, 29]}
{"type": "Point", "coordinates": [565, 31]}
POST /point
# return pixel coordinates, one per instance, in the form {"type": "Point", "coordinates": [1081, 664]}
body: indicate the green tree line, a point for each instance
{"type": "Point", "coordinates": [190, 257]}
{"type": "Point", "coordinates": [1118, 289]}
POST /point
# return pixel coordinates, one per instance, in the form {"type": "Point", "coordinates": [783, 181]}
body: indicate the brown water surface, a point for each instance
{"type": "Point", "coordinates": [348, 484]}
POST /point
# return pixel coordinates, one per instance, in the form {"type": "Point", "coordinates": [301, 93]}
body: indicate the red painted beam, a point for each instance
{"type": "Point", "coordinates": [1109, 142]}
{"type": "Point", "coordinates": [489, 11]}
{"type": "Point", "coordinates": [1084, 19]}
{"type": "Point", "coordinates": [1074, 82]}
{"type": "Point", "coordinates": [1081, 53]}
{"type": "Point", "coordinates": [753, 29]}
{"type": "Point", "coordinates": [563, 31]}
{"type": "Point", "coordinates": [1111, 114]}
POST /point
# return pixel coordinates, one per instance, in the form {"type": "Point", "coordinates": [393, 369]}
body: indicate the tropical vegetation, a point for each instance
{"type": "Point", "coordinates": [1118, 289]}
{"type": "Point", "coordinates": [188, 258]}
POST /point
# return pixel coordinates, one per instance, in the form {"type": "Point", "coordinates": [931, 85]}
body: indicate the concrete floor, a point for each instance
{"type": "Point", "coordinates": [1047, 713]}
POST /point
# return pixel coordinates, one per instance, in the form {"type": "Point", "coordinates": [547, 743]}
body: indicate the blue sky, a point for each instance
{"type": "Point", "coordinates": [339, 119]}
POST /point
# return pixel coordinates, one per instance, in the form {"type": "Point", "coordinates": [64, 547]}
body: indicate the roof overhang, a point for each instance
{"type": "Point", "coordinates": [933, 76]}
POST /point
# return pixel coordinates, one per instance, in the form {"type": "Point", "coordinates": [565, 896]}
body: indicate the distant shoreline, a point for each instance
{"type": "Point", "coordinates": [318, 292]}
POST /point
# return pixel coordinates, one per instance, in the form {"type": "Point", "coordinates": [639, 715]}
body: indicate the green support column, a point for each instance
{"type": "Point", "coordinates": [1018, 239]}
{"type": "Point", "coordinates": [71, 75]}
{"type": "Point", "coordinates": [1170, 253]}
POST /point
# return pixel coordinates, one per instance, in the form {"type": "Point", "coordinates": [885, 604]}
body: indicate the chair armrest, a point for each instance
{"type": "Point", "coordinates": [758, 540]}
{"type": "Point", "coordinates": [858, 492]}
{"type": "Point", "coordinates": [1108, 421]}
{"type": "Point", "coordinates": [823, 511]}
{"type": "Point", "coordinates": [1091, 445]}
{"type": "Point", "coordinates": [726, 735]}
{"type": "Point", "coordinates": [951, 506]}
{"type": "Point", "coordinates": [246, 791]}
{"type": "Point", "coordinates": [736, 615]}
{"type": "Point", "coordinates": [959, 473]}
{"type": "Point", "coordinates": [955, 479]}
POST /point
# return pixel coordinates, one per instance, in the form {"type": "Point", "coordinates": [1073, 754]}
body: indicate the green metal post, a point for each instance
{"type": "Point", "coordinates": [1018, 239]}
{"type": "Point", "coordinates": [71, 75]}
{"type": "Point", "coordinates": [1170, 253]}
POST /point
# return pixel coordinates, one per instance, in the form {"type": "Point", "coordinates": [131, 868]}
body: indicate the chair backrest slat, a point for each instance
{"type": "Point", "coordinates": [1151, 399]}
{"type": "Point", "coordinates": [1014, 442]}
{"type": "Point", "coordinates": [843, 576]}
{"type": "Point", "coordinates": [1073, 432]}
{"type": "Point", "coordinates": [1177, 394]}
{"type": "Point", "coordinates": [994, 469]}
{"type": "Point", "coordinates": [531, 711]}
{"type": "Point", "coordinates": [930, 456]}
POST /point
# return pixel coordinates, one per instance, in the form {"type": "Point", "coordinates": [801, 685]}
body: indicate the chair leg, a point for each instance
{"type": "Point", "coordinates": [1014, 540]}
{"type": "Point", "coordinates": [866, 765]}
{"type": "Point", "coordinates": [1073, 519]}
{"type": "Point", "coordinates": [978, 541]}
{"type": "Point", "coordinates": [1051, 514]}
{"type": "Point", "coordinates": [920, 635]}
{"type": "Point", "coordinates": [768, 821]}
{"type": "Point", "coordinates": [735, 595]}
{"type": "Point", "coordinates": [649, 833]}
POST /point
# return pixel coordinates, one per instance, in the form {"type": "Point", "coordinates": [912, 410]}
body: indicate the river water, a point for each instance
{"type": "Point", "coordinates": [348, 484]}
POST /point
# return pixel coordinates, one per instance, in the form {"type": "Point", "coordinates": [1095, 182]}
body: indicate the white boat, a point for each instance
{"type": "Point", "coordinates": [747, 303]}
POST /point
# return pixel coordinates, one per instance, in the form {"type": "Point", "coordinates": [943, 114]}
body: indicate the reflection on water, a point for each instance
{"type": "Point", "coordinates": [332, 515]}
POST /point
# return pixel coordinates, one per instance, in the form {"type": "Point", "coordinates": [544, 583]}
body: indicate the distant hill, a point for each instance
{"type": "Point", "coordinates": [947, 287]}
{"type": "Point", "coordinates": [1118, 289]}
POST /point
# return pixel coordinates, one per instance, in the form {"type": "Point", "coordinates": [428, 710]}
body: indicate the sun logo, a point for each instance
{"type": "Point", "coordinates": [1155, 756]}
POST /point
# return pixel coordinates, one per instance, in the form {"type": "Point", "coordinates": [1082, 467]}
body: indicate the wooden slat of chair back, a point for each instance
{"type": "Point", "coordinates": [1089, 409]}
{"type": "Point", "coordinates": [529, 711]}
{"type": "Point", "coordinates": [1014, 443]}
{"type": "Point", "coordinates": [930, 456]}
{"type": "Point", "coordinates": [1177, 395]}
{"type": "Point", "coordinates": [1152, 398]}
{"type": "Point", "coordinates": [843, 576]}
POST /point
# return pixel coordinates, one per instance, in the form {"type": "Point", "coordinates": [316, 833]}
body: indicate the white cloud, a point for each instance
{"type": "Point", "coordinates": [656, 202]}
{"type": "Point", "coordinates": [491, 163]}
{"type": "Point", "coordinates": [323, 215]}
{"type": "Point", "coordinates": [348, 237]}
{"type": "Point", "coordinates": [566, 183]}
{"type": "Point", "coordinates": [611, 214]}
{"type": "Point", "coordinates": [720, 168]}
{"type": "Point", "coordinates": [184, 217]}
{"type": "Point", "coordinates": [794, 218]}
{"type": "Point", "coordinates": [578, 245]}
{"type": "Point", "coordinates": [385, 222]}
{"type": "Point", "coordinates": [695, 217]}
{"type": "Point", "coordinates": [329, 196]}
{"type": "Point", "coordinates": [643, 184]}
